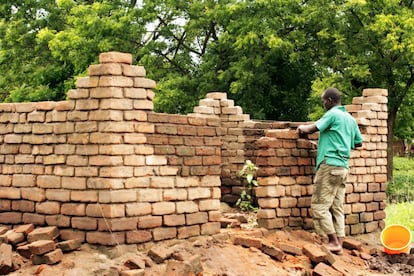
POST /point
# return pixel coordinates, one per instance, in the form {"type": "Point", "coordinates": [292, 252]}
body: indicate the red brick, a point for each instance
{"type": "Point", "coordinates": [210, 228]}
{"type": "Point", "coordinates": [149, 221]}
{"type": "Point", "coordinates": [24, 251]}
{"type": "Point", "coordinates": [164, 233]}
{"type": "Point", "coordinates": [6, 263]}
{"type": "Point", "coordinates": [272, 251]}
{"type": "Point", "coordinates": [25, 229]}
{"type": "Point", "coordinates": [58, 220]}
{"type": "Point", "coordinates": [314, 253]}
{"type": "Point", "coordinates": [36, 219]}
{"type": "Point", "coordinates": [14, 238]}
{"type": "Point", "coordinates": [188, 231]}
{"type": "Point", "coordinates": [84, 223]}
{"type": "Point", "coordinates": [197, 218]}
{"type": "Point", "coordinates": [351, 244]}
{"type": "Point", "coordinates": [138, 236]}
{"type": "Point", "coordinates": [115, 57]}
{"type": "Point", "coordinates": [160, 253]}
{"type": "Point", "coordinates": [10, 218]}
{"type": "Point", "coordinates": [69, 245]}
{"type": "Point", "coordinates": [41, 247]}
{"type": "Point", "coordinates": [43, 233]}
{"type": "Point", "coordinates": [70, 234]}
{"type": "Point", "coordinates": [247, 241]}
{"type": "Point", "coordinates": [276, 223]}
{"type": "Point", "coordinates": [49, 258]}
{"type": "Point", "coordinates": [322, 269]}
{"type": "Point", "coordinates": [117, 224]}
{"type": "Point", "coordinates": [174, 220]}
{"type": "Point", "coordinates": [105, 238]}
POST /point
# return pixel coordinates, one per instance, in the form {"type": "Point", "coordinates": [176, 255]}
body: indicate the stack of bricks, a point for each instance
{"type": "Point", "coordinates": [366, 188]}
{"type": "Point", "coordinates": [106, 169]}
{"type": "Point", "coordinates": [287, 161]}
{"type": "Point", "coordinates": [233, 138]}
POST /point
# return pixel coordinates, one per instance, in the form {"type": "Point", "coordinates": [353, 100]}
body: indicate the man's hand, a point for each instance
{"type": "Point", "coordinates": [307, 129]}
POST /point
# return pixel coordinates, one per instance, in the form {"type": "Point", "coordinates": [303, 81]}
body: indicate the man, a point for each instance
{"type": "Point", "coordinates": [339, 133]}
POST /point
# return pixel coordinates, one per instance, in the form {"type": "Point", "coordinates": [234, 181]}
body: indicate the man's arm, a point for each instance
{"type": "Point", "coordinates": [307, 129]}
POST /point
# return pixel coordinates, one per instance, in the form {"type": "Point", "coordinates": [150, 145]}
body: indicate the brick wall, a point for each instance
{"type": "Point", "coordinates": [286, 166]}
{"type": "Point", "coordinates": [106, 169]}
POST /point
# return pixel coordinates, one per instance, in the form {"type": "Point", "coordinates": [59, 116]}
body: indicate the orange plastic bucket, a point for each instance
{"type": "Point", "coordinates": [396, 239]}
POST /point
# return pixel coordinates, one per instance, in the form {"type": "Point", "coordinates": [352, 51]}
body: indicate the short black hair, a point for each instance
{"type": "Point", "coordinates": [333, 94]}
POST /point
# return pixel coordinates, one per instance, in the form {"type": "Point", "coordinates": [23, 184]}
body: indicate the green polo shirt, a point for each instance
{"type": "Point", "coordinates": [339, 133]}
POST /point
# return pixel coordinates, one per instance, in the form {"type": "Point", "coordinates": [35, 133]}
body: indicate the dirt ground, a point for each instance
{"type": "Point", "coordinates": [219, 255]}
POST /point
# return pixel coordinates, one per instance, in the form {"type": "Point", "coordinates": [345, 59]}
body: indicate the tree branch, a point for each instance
{"type": "Point", "coordinates": [178, 39]}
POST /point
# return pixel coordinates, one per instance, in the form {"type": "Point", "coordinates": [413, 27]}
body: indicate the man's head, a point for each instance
{"type": "Point", "coordinates": [331, 97]}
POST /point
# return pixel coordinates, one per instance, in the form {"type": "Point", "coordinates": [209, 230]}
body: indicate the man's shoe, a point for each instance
{"type": "Point", "coordinates": [337, 249]}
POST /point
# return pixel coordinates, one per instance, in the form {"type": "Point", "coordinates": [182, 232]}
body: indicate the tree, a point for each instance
{"type": "Point", "coordinates": [367, 44]}
{"type": "Point", "coordinates": [28, 72]}
{"type": "Point", "coordinates": [45, 45]}
{"type": "Point", "coordinates": [251, 49]}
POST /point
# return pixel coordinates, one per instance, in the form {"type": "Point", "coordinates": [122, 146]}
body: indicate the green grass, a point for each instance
{"type": "Point", "coordinates": [400, 194]}
{"type": "Point", "coordinates": [401, 213]}
{"type": "Point", "coordinates": [402, 187]}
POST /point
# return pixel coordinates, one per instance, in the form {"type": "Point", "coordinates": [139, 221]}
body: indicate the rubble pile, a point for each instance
{"type": "Point", "coordinates": [239, 249]}
{"type": "Point", "coordinates": [40, 246]}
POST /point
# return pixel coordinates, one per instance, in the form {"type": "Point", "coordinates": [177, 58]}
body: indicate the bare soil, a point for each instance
{"type": "Point", "coordinates": [218, 255]}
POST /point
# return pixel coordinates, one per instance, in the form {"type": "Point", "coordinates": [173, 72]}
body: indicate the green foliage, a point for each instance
{"type": "Point", "coordinates": [274, 58]}
{"type": "Point", "coordinates": [247, 175]}
{"type": "Point", "coordinates": [401, 189]}
{"type": "Point", "coordinates": [365, 44]}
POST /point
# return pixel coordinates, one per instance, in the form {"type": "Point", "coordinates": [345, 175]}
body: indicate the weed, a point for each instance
{"type": "Point", "coordinates": [247, 175]}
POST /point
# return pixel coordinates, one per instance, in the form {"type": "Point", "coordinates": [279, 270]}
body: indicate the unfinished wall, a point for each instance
{"type": "Point", "coordinates": [106, 169]}
{"type": "Point", "coordinates": [286, 166]}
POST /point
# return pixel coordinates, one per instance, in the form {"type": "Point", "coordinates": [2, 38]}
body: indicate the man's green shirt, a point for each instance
{"type": "Point", "coordinates": [339, 133]}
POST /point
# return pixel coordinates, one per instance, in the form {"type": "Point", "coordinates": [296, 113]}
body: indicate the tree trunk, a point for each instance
{"type": "Point", "coordinates": [392, 114]}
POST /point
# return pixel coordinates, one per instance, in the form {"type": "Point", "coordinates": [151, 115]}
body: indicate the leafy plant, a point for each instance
{"type": "Point", "coordinates": [247, 175]}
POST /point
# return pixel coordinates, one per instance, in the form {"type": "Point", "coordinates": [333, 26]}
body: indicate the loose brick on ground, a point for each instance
{"type": "Point", "coordinates": [69, 245]}
{"type": "Point", "coordinates": [322, 269]}
{"type": "Point", "coordinates": [25, 229]}
{"type": "Point", "coordinates": [247, 241]}
{"type": "Point", "coordinates": [158, 253]}
{"type": "Point", "coordinates": [272, 251]}
{"type": "Point", "coordinates": [330, 257]}
{"type": "Point", "coordinates": [351, 244]}
{"type": "Point", "coordinates": [6, 263]}
{"type": "Point", "coordinates": [43, 233]}
{"type": "Point", "coordinates": [290, 249]}
{"type": "Point", "coordinates": [135, 262]}
{"type": "Point", "coordinates": [50, 258]}
{"type": "Point", "coordinates": [24, 251]}
{"type": "Point", "coordinates": [314, 253]}
{"type": "Point", "coordinates": [14, 238]}
{"type": "Point", "coordinates": [41, 247]}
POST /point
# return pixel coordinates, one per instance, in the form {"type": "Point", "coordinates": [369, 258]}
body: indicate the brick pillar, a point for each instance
{"type": "Point", "coordinates": [110, 125]}
{"type": "Point", "coordinates": [366, 188]}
